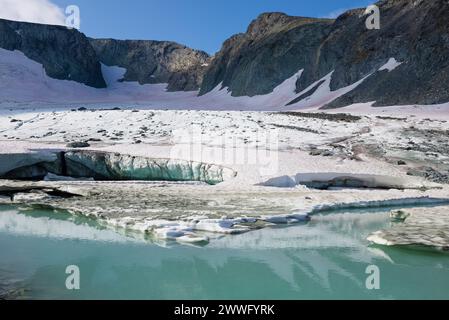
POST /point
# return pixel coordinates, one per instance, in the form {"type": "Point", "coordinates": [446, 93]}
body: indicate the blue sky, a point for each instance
{"type": "Point", "coordinates": [200, 24]}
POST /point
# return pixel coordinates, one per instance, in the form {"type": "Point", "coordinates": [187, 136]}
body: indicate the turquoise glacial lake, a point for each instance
{"type": "Point", "coordinates": [326, 258]}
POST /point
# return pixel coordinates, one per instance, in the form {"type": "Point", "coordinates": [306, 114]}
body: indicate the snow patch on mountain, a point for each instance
{"type": "Point", "coordinates": [112, 75]}
{"type": "Point", "coordinates": [280, 96]}
{"type": "Point", "coordinates": [24, 80]}
{"type": "Point", "coordinates": [390, 65]}
{"type": "Point", "coordinates": [323, 94]}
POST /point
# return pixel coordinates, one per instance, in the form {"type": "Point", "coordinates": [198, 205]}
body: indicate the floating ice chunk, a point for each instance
{"type": "Point", "coordinates": [169, 233]}
{"type": "Point", "coordinates": [377, 238]}
{"type": "Point", "coordinates": [32, 196]}
{"type": "Point", "coordinates": [399, 215]}
{"type": "Point", "coordinates": [301, 216]}
{"type": "Point", "coordinates": [246, 220]}
{"type": "Point", "coordinates": [287, 219]}
{"type": "Point", "coordinates": [187, 231]}
{"type": "Point", "coordinates": [179, 233]}
{"type": "Point", "coordinates": [227, 226]}
{"type": "Point", "coordinates": [192, 238]}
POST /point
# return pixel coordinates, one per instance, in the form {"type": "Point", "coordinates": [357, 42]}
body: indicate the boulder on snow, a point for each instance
{"type": "Point", "coordinates": [78, 144]}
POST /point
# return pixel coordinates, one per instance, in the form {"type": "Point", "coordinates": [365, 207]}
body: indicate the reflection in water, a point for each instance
{"type": "Point", "coordinates": [54, 224]}
{"type": "Point", "coordinates": [325, 258]}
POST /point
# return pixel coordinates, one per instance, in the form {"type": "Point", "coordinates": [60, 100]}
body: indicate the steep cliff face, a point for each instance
{"type": "Point", "coordinates": [273, 49]}
{"type": "Point", "coordinates": [109, 166]}
{"type": "Point", "coordinates": [65, 54]}
{"type": "Point", "coordinates": [154, 62]}
{"type": "Point", "coordinates": [413, 33]}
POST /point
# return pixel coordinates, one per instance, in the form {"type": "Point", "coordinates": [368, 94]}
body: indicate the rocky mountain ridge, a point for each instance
{"type": "Point", "coordinates": [405, 62]}
{"type": "Point", "coordinates": [150, 62]}
{"type": "Point", "coordinates": [413, 33]}
{"type": "Point", "coordinates": [67, 54]}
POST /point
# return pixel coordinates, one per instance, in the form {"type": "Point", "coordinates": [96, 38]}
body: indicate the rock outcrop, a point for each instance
{"type": "Point", "coordinates": [65, 54]}
{"type": "Point", "coordinates": [147, 62]}
{"type": "Point", "coordinates": [272, 50]}
{"type": "Point", "coordinates": [413, 33]}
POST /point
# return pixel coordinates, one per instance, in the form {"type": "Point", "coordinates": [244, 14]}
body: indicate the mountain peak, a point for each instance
{"type": "Point", "coordinates": [271, 22]}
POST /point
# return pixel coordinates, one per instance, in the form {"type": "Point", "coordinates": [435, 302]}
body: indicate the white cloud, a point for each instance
{"type": "Point", "coordinates": [334, 14]}
{"type": "Point", "coordinates": [38, 11]}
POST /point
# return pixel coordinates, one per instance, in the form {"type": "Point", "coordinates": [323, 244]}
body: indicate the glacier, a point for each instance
{"type": "Point", "coordinates": [109, 166]}
{"type": "Point", "coordinates": [115, 166]}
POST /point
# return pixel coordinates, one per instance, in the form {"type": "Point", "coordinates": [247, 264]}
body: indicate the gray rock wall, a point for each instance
{"type": "Point", "coordinates": [276, 46]}
{"type": "Point", "coordinates": [154, 62]}
{"type": "Point", "coordinates": [65, 54]}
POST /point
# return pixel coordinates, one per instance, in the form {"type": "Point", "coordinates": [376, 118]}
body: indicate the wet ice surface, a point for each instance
{"type": "Point", "coordinates": [185, 211]}
{"type": "Point", "coordinates": [172, 211]}
{"type": "Point", "coordinates": [194, 213]}
{"type": "Point", "coordinates": [325, 258]}
{"type": "Point", "coordinates": [419, 227]}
